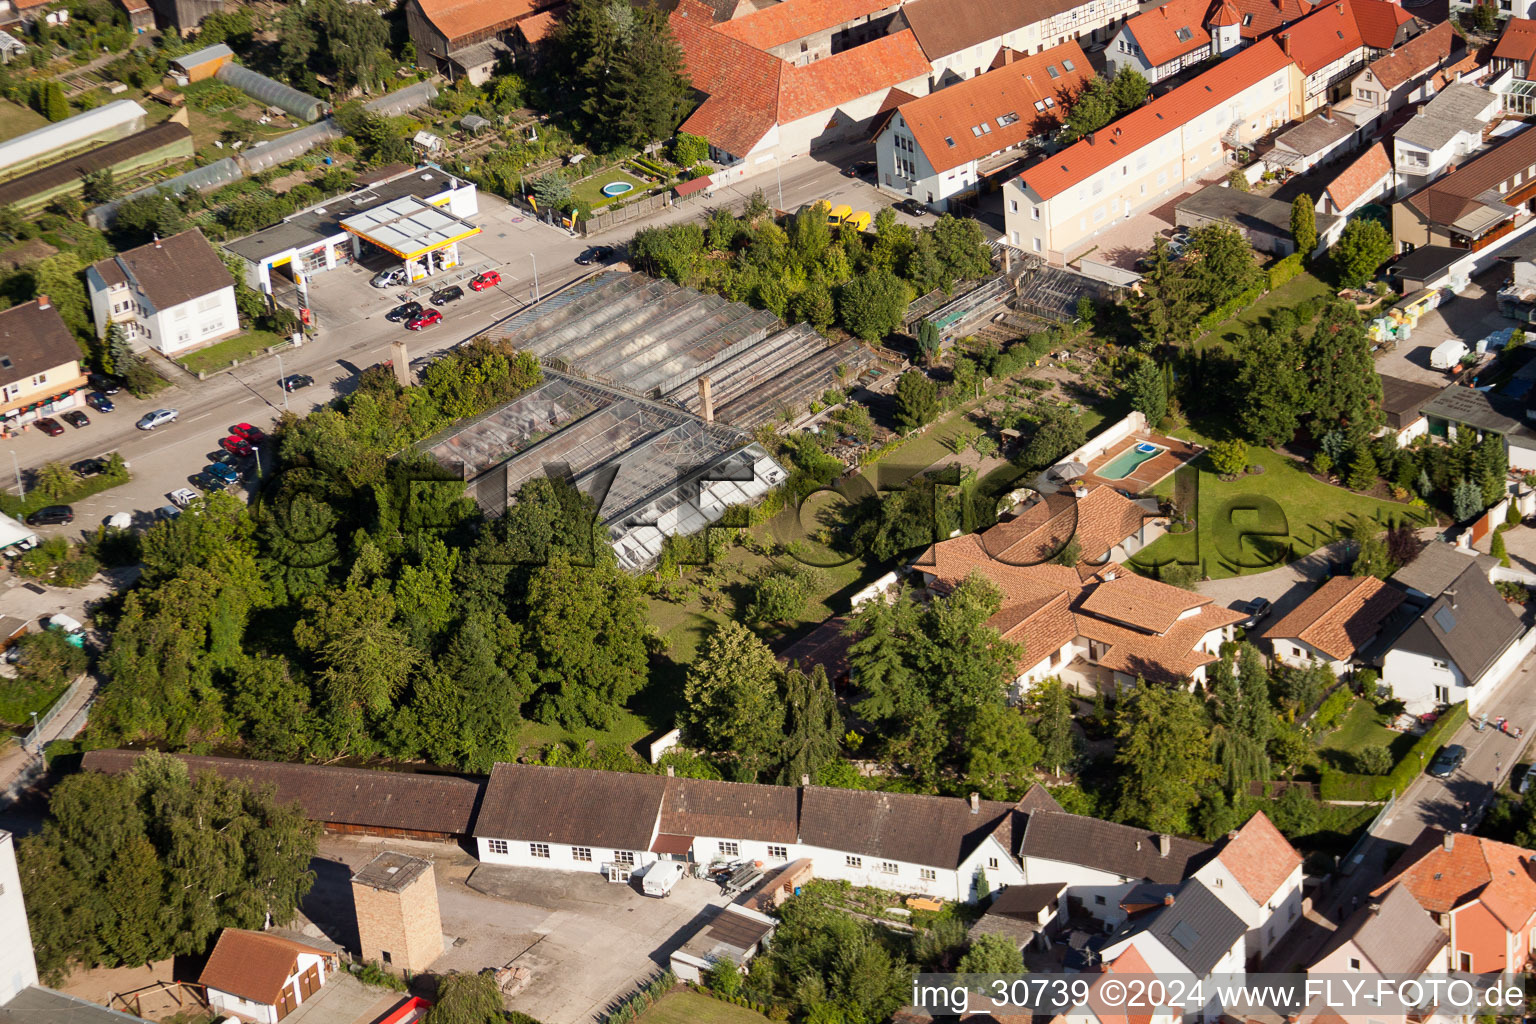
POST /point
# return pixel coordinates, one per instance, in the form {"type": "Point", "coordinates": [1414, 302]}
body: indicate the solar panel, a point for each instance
{"type": "Point", "coordinates": [1445, 619]}
{"type": "Point", "coordinates": [1184, 935]}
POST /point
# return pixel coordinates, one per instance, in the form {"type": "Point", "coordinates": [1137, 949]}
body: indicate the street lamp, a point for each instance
{"type": "Point", "coordinates": [535, 260]}
{"type": "Point", "coordinates": [19, 486]}
{"type": "Point", "coordinates": [38, 739]}
{"type": "Point", "coordinates": [282, 380]}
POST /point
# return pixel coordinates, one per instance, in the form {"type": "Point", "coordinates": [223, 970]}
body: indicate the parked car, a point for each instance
{"type": "Point", "coordinates": [1448, 760]}
{"type": "Point", "coordinates": [596, 254]}
{"type": "Point", "coordinates": [100, 402]}
{"type": "Point", "coordinates": [76, 419]}
{"type": "Point", "coordinates": [103, 383]}
{"type": "Point", "coordinates": [912, 208]}
{"type": "Point", "coordinates": [255, 435]}
{"type": "Point", "coordinates": [51, 515]}
{"type": "Point", "coordinates": [388, 278]}
{"type": "Point", "coordinates": [237, 446]}
{"type": "Point", "coordinates": [404, 311]}
{"type": "Point", "coordinates": [443, 296]}
{"type": "Point", "coordinates": [159, 417]}
{"type": "Point", "coordinates": [181, 497]}
{"type": "Point", "coordinates": [1520, 778]}
{"type": "Point", "coordinates": [425, 319]}
{"type": "Point", "coordinates": [489, 279]}
{"type": "Point", "coordinates": [50, 426]}
{"type": "Point", "coordinates": [210, 483]}
{"type": "Point", "coordinates": [295, 381]}
{"type": "Point", "coordinates": [221, 471]}
{"type": "Point", "coordinates": [165, 513]}
{"type": "Point", "coordinates": [90, 467]}
{"type": "Point", "coordinates": [1255, 611]}
{"type": "Point", "coordinates": [70, 626]}
{"type": "Point", "coordinates": [860, 169]}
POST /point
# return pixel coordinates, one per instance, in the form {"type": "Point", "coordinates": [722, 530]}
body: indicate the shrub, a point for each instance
{"type": "Point", "coordinates": [1333, 708]}
{"type": "Point", "coordinates": [1284, 270]}
{"type": "Point", "coordinates": [1376, 760]}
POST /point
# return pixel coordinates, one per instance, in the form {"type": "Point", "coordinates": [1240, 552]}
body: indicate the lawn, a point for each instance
{"type": "Point", "coordinates": [1363, 726]}
{"type": "Point", "coordinates": [16, 119]}
{"type": "Point", "coordinates": [241, 346]}
{"type": "Point", "coordinates": [695, 1008]}
{"type": "Point", "coordinates": [20, 697]}
{"type": "Point", "coordinates": [1262, 521]}
{"type": "Point", "coordinates": [1299, 289]}
{"type": "Point", "coordinates": [590, 191]}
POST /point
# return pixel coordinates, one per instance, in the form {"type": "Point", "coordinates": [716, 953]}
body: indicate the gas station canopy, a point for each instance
{"type": "Point", "coordinates": [409, 227]}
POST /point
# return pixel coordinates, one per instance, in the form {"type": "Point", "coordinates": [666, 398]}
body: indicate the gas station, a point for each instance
{"type": "Point", "coordinates": [423, 236]}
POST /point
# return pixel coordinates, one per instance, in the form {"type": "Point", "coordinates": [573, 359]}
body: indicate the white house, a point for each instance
{"type": "Point", "coordinates": [941, 144]}
{"type": "Point", "coordinates": [1334, 623]}
{"type": "Point", "coordinates": [1464, 644]}
{"type": "Point", "coordinates": [18, 970]}
{"type": "Point", "coordinates": [963, 38]}
{"type": "Point", "coordinates": [1445, 129]}
{"type": "Point", "coordinates": [171, 295]}
{"type": "Point", "coordinates": [1256, 874]}
{"type": "Point", "coordinates": [1193, 933]}
{"type": "Point", "coordinates": [1176, 35]}
{"type": "Point", "coordinates": [261, 977]}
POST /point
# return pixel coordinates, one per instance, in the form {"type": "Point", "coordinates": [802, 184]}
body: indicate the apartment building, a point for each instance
{"type": "Point", "coordinates": [171, 295]}
{"type": "Point", "coordinates": [1335, 41]}
{"type": "Point", "coordinates": [1056, 207]}
{"type": "Point", "coordinates": [39, 363]}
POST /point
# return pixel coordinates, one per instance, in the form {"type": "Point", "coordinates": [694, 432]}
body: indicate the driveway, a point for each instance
{"type": "Point", "coordinates": [1285, 587]}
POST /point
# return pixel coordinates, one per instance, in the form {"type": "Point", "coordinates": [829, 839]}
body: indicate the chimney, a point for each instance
{"type": "Point", "coordinates": [1090, 137]}
{"type": "Point", "coordinates": [1109, 577]}
{"type": "Point", "coordinates": [975, 803]}
{"type": "Point", "coordinates": [1164, 845]}
{"type": "Point", "coordinates": [1167, 899]}
{"type": "Point", "coordinates": [669, 771]}
{"type": "Point", "coordinates": [1232, 835]}
{"type": "Point", "coordinates": [157, 240]}
{"type": "Point", "coordinates": [1285, 43]}
{"type": "Point", "coordinates": [706, 401]}
{"type": "Point", "coordinates": [1448, 841]}
{"type": "Point", "coordinates": [1450, 597]}
{"type": "Point", "coordinates": [805, 780]}
{"type": "Point", "coordinates": [42, 302]}
{"type": "Point", "coordinates": [1327, 111]}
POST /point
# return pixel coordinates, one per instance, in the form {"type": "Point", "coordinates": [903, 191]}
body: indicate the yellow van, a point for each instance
{"type": "Point", "coordinates": [839, 213]}
{"type": "Point", "coordinates": [859, 221]}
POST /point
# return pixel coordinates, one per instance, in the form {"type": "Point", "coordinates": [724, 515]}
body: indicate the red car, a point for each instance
{"type": "Point", "coordinates": [426, 318]}
{"type": "Point", "coordinates": [255, 435]}
{"type": "Point", "coordinates": [237, 446]}
{"type": "Point", "coordinates": [50, 426]}
{"type": "Point", "coordinates": [489, 279]}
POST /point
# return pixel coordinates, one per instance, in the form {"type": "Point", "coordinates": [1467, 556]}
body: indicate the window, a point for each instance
{"type": "Point", "coordinates": [539, 850]}
{"type": "Point", "coordinates": [208, 303]}
{"type": "Point", "coordinates": [1007, 119]}
{"type": "Point", "coordinates": [992, 863]}
{"type": "Point", "coordinates": [624, 857]}
{"type": "Point", "coordinates": [1442, 695]}
{"type": "Point", "coordinates": [854, 862]}
{"type": "Point", "coordinates": [1034, 213]}
{"type": "Point", "coordinates": [1354, 963]}
{"type": "Point", "coordinates": [889, 867]}
{"type": "Point", "coordinates": [1218, 882]}
{"type": "Point", "coordinates": [1466, 962]}
{"type": "Point", "coordinates": [779, 852]}
{"type": "Point", "coordinates": [384, 953]}
{"type": "Point", "coordinates": [41, 378]}
{"type": "Point", "coordinates": [730, 849]}
{"type": "Point", "coordinates": [582, 853]}
{"type": "Point", "coordinates": [1069, 66]}
{"type": "Point", "coordinates": [1098, 901]}
{"type": "Point", "coordinates": [1184, 35]}
{"type": "Point", "coordinates": [1050, 69]}
{"type": "Point", "coordinates": [949, 142]}
{"type": "Point", "coordinates": [976, 131]}
{"type": "Point", "coordinates": [1247, 20]}
{"type": "Point", "coordinates": [1013, 206]}
{"type": "Point", "coordinates": [929, 875]}
{"type": "Point", "coordinates": [496, 845]}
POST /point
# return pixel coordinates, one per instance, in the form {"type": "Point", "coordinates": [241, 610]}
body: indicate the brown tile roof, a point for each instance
{"type": "Point", "coordinates": [1364, 173]}
{"type": "Point", "coordinates": [1108, 846]}
{"type": "Point", "coordinates": [1448, 198]}
{"type": "Point", "coordinates": [1396, 935]}
{"type": "Point", "coordinates": [340, 796]}
{"type": "Point", "coordinates": [1163, 116]}
{"type": "Point", "coordinates": [1518, 40]}
{"type": "Point", "coordinates": [1260, 858]}
{"type": "Point", "coordinates": [934, 831]}
{"type": "Point", "coordinates": [456, 19]}
{"type": "Point", "coordinates": [574, 806]}
{"type": "Point", "coordinates": [33, 338]}
{"type": "Point", "coordinates": [1473, 869]}
{"type": "Point", "coordinates": [827, 83]}
{"type": "Point", "coordinates": [1418, 56]}
{"type": "Point", "coordinates": [946, 26]}
{"type": "Point", "coordinates": [1171, 30]}
{"type": "Point", "coordinates": [795, 19]}
{"type": "Point", "coordinates": [943, 122]}
{"type": "Point", "coordinates": [172, 270]}
{"type": "Point", "coordinates": [537, 27]}
{"type": "Point", "coordinates": [252, 965]}
{"type": "Point", "coordinates": [1138, 601]}
{"type": "Point", "coordinates": [730, 810]}
{"type": "Point", "coordinates": [1341, 616]}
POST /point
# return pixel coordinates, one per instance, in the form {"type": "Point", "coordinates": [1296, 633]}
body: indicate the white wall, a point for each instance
{"type": "Point", "coordinates": [1413, 677]}
{"type": "Point", "coordinates": [1298, 653]}
{"type": "Point", "coordinates": [562, 856]}
{"type": "Point", "coordinates": [1100, 892]}
{"type": "Point", "coordinates": [229, 1003]}
{"type": "Point", "coordinates": [17, 967]}
{"type": "Point", "coordinates": [203, 320]}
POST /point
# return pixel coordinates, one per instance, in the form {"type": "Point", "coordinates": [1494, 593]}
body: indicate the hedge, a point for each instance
{"type": "Point", "coordinates": [1284, 270]}
{"type": "Point", "coordinates": [1348, 786]}
{"type": "Point", "coordinates": [1337, 703]}
{"type": "Point", "coordinates": [1225, 311]}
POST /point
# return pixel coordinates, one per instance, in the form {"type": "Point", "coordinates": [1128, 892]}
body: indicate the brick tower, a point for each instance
{"type": "Point", "coordinates": [398, 925]}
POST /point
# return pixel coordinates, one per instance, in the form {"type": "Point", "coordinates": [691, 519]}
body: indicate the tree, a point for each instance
{"type": "Point", "coordinates": [961, 248]}
{"type": "Point", "coordinates": [724, 978]}
{"type": "Point", "coordinates": [1341, 383]}
{"type": "Point", "coordinates": [467, 999]}
{"type": "Point", "coordinates": [1238, 180]}
{"type": "Point", "coordinates": [586, 628]}
{"type": "Point", "coordinates": [1498, 549]}
{"type": "Point", "coordinates": [1228, 458]}
{"type": "Point", "coordinates": [1269, 392]}
{"type": "Point", "coordinates": [1168, 312]}
{"type": "Point", "coordinates": [1002, 751]}
{"type": "Point", "coordinates": [1060, 432]}
{"type": "Point", "coordinates": [928, 341]}
{"type": "Point", "coordinates": [1164, 754]}
{"type": "Point", "coordinates": [917, 400]}
{"type": "Point", "coordinates": [150, 864]}
{"type": "Point", "coordinates": [1364, 246]}
{"type": "Point", "coordinates": [60, 278]}
{"type": "Point", "coordinates": [689, 150]}
{"type": "Point", "coordinates": [1129, 90]}
{"type": "Point", "coordinates": [781, 595]}
{"type": "Point", "coordinates": [1466, 500]}
{"type": "Point", "coordinates": [1374, 760]}
{"type": "Point", "coordinates": [99, 186]}
{"type": "Point", "coordinates": [1362, 470]}
{"type": "Point", "coordinates": [814, 305]}
{"type": "Point", "coordinates": [552, 191]}
{"type": "Point", "coordinates": [55, 106]}
{"type": "Point", "coordinates": [1091, 109]}
{"type": "Point", "coordinates": [872, 305]}
{"type": "Point", "coordinates": [1304, 225]}
{"type": "Point", "coordinates": [731, 699]}
{"type": "Point", "coordinates": [1053, 726]}
{"type": "Point", "coordinates": [1221, 266]}
{"type": "Point", "coordinates": [1147, 391]}
{"type": "Point", "coordinates": [992, 954]}
{"type": "Point", "coordinates": [813, 726]}
{"type": "Point", "coordinates": [620, 65]}
{"type": "Point", "coordinates": [55, 480]}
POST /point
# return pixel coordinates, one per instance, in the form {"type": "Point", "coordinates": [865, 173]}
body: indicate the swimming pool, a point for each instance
{"type": "Point", "coordinates": [617, 188]}
{"type": "Point", "coordinates": [1124, 464]}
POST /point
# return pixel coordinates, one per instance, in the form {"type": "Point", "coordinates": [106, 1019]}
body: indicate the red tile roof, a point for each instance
{"type": "Point", "coordinates": [795, 19]}
{"type": "Point", "coordinates": [1261, 17]}
{"type": "Point", "coordinates": [1366, 173]}
{"type": "Point", "coordinates": [456, 19]}
{"type": "Point", "coordinates": [1341, 616]}
{"type": "Point", "coordinates": [538, 27]}
{"type": "Point", "coordinates": [1419, 55]}
{"type": "Point", "coordinates": [1164, 115]}
{"type": "Point", "coordinates": [1260, 858]}
{"type": "Point", "coordinates": [1168, 32]}
{"type": "Point", "coordinates": [252, 965]}
{"type": "Point", "coordinates": [1518, 42]}
{"type": "Point", "coordinates": [833, 81]}
{"type": "Point", "coordinates": [943, 122]}
{"type": "Point", "coordinates": [1474, 869]}
{"type": "Point", "coordinates": [1335, 29]}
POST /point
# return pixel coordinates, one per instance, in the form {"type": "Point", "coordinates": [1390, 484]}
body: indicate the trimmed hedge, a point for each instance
{"type": "Point", "coordinates": [1348, 786]}
{"type": "Point", "coordinates": [1226, 310]}
{"type": "Point", "coordinates": [1284, 270]}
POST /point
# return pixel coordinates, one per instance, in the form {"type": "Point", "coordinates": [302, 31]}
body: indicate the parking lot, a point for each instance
{"type": "Point", "coordinates": [1473, 314]}
{"type": "Point", "coordinates": [586, 942]}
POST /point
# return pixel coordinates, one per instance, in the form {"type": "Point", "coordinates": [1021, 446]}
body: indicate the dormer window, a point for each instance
{"type": "Point", "coordinates": [949, 142]}
{"type": "Point", "coordinates": [1050, 69]}
{"type": "Point", "coordinates": [1069, 66]}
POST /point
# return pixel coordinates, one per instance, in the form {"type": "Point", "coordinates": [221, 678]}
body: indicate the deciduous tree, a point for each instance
{"type": "Point", "coordinates": [1364, 246]}
{"type": "Point", "coordinates": [1164, 754]}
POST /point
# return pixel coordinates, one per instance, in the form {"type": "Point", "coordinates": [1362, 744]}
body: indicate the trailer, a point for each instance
{"type": "Point", "coordinates": [1447, 354]}
{"type": "Point", "coordinates": [742, 878]}
{"type": "Point", "coordinates": [660, 878]}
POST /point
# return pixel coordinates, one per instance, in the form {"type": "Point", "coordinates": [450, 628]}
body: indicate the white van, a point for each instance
{"type": "Point", "coordinates": [660, 877]}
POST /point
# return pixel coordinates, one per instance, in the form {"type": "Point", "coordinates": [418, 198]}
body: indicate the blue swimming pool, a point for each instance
{"type": "Point", "coordinates": [1124, 464]}
{"type": "Point", "coordinates": [617, 188]}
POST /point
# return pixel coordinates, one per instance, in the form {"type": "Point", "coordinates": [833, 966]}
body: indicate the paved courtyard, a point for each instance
{"type": "Point", "coordinates": [1473, 314]}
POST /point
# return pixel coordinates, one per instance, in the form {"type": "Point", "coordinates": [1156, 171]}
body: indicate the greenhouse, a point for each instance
{"type": "Point", "coordinates": [55, 141]}
{"type": "Point", "coordinates": [270, 92]}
